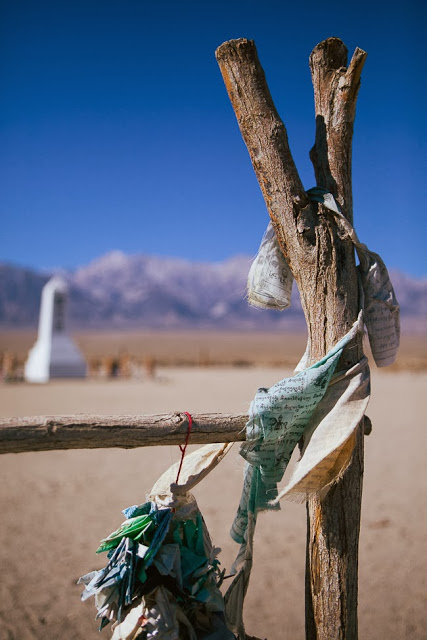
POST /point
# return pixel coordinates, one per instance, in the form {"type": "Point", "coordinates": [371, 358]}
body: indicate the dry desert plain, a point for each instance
{"type": "Point", "coordinates": [56, 506]}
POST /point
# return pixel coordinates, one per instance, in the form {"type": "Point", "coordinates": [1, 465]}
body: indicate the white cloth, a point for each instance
{"type": "Point", "coordinates": [270, 284]}
{"type": "Point", "coordinates": [270, 279]}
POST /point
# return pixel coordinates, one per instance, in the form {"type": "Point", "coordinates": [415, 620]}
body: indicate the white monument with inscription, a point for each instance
{"type": "Point", "coordinates": [54, 355]}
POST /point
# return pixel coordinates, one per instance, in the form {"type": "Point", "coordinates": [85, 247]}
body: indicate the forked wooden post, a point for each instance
{"type": "Point", "coordinates": [323, 265]}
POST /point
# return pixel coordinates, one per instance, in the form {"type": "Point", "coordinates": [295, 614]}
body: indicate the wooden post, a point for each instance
{"type": "Point", "coordinates": [323, 266]}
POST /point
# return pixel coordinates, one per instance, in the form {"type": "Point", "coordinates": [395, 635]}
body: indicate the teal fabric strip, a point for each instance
{"type": "Point", "coordinates": [277, 420]}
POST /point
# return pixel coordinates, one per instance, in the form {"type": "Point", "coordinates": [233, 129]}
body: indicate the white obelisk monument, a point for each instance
{"type": "Point", "coordinates": [54, 355]}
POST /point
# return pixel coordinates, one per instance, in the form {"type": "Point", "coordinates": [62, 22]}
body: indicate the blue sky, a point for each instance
{"type": "Point", "coordinates": [116, 131]}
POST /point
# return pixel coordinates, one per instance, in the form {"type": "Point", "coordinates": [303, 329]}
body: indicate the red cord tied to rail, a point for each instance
{"type": "Point", "coordinates": [184, 447]}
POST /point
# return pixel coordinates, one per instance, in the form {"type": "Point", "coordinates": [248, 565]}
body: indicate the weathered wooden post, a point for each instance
{"type": "Point", "coordinates": [323, 266]}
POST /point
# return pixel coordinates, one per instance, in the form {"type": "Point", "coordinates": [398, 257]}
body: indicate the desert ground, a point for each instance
{"type": "Point", "coordinates": [56, 506]}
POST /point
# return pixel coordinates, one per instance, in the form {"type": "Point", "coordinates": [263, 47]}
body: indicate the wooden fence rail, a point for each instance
{"type": "Point", "coordinates": [47, 433]}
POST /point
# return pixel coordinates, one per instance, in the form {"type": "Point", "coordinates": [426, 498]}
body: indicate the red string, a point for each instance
{"type": "Point", "coordinates": [183, 448]}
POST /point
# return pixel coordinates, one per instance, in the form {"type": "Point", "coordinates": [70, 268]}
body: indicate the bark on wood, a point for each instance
{"type": "Point", "coordinates": [334, 523]}
{"type": "Point", "coordinates": [323, 265]}
{"type": "Point", "coordinates": [46, 433]}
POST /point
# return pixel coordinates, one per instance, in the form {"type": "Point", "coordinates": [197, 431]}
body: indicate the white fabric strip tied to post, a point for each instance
{"type": "Point", "coordinates": [329, 442]}
{"type": "Point", "coordinates": [270, 284]}
{"type": "Point", "coordinates": [329, 439]}
{"type": "Point", "coordinates": [380, 308]}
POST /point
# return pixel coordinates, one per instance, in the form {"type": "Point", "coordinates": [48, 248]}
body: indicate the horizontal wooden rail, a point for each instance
{"type": "Point", "coordinates": [47, 433]}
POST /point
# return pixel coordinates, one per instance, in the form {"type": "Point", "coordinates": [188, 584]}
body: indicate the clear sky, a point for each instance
{"type": "Point", "coordinates": [116, 131]}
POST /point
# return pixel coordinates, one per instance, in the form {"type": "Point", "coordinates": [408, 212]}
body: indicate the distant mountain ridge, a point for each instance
{"type": "Point", "coordinates": [119, 291]}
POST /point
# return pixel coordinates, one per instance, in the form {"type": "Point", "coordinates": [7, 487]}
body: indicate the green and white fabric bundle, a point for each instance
{"type": "Point", "coordinates": [162, 578]}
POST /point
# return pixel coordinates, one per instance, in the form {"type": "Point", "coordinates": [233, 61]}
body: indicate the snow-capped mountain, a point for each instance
{"type": "Point", "coordinates": [120, 291]}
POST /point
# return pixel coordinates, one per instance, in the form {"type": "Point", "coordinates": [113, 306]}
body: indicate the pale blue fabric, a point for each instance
{"type": "Point", "coordinates": [277, 420]}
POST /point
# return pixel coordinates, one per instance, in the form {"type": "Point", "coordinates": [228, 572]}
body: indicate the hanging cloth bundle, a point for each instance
{"type": "Point", "coordinates": [270, 279]}
{"type": "Point", "coordinates": [162, 579]}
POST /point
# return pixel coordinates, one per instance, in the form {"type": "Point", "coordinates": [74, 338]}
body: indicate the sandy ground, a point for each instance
{"type": "Point", "coordinates": [56, 506]}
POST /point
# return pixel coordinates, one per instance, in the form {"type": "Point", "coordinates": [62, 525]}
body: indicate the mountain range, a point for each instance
{"type": "Point", "coordinates": [120, 291]}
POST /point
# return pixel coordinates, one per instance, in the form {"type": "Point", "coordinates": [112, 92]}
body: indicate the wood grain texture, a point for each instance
{"type": "Point", "coordinates": [47, 433]}
{"type": "Point", "coordinates": [323, 265]}
{"type": "Point", "coordinates": [333, 524]}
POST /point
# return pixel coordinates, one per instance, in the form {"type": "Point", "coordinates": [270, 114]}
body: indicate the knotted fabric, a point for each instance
{"type": "Point", "coordinates": [270, 283]}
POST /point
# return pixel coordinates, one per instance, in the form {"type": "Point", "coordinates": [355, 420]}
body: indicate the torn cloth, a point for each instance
{"type": "Point", "coordinates": [270, 283]}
